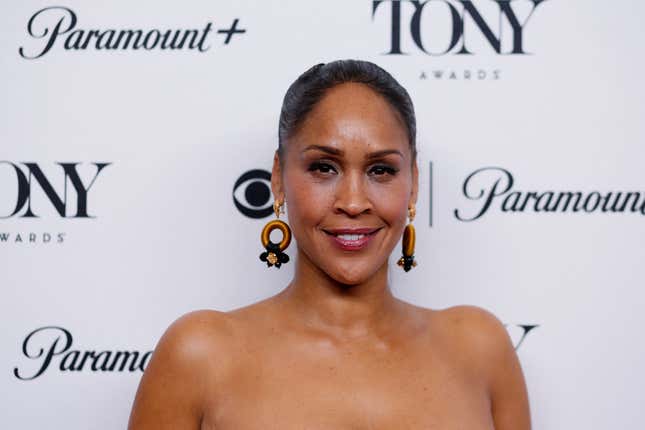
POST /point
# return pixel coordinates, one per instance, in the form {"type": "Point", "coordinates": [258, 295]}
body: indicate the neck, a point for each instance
{"type": "Point", "coordinates": [344, 311]}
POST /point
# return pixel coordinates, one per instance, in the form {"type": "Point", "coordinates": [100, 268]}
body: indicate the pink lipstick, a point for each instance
{"type": "Point", "coordinates": [351, 239]}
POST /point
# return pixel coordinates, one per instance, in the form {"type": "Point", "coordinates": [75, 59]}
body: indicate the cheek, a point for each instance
{"type": "Point", "coordinates": [307, 200]}
{"type": "Point", "coordinates": [391, 202]}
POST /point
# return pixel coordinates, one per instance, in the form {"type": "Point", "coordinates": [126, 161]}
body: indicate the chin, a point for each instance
{"type": "Point", "coordinates": [347, 282]}
{"type": "Point", "coordinates": [350, 277]}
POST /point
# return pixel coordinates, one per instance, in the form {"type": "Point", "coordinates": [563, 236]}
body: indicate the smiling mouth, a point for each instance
{"type": "Point", "coordinates": [352, 241]}
{"type": "Point", "coordinates": [350, 237]}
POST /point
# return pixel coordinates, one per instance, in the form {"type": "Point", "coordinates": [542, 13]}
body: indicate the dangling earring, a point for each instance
{"type": "Point", "coordinates": [274, 255]}
{"type": "Point", "coordinates": [407, 260]}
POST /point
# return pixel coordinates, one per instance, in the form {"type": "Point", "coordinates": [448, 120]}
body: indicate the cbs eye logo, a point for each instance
{"type": "Point", "coordinates": [252, 194]}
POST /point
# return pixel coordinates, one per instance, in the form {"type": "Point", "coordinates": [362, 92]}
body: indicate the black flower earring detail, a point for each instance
{"type": "Point", "coordinates": [273, 254]}
{"type": "Point", "coordinates": [407, 260]}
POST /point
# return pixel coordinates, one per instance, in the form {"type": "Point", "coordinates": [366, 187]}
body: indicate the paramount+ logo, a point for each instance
{"type": "Point", "coordinates": [492, 189]}
{"type": "Point", "coordinates": [52, 348]}
{"type": "Point", "coordinates": [440, 27]}
{"type": "Point", "coordinates": [58, 27]}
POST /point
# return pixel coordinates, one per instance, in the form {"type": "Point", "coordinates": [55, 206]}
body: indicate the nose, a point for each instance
{"type": "Point", "coordinates": [352, 194]}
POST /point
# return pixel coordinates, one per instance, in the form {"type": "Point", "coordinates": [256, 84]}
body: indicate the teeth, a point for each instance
{"type": "Point", "coordinates": [350, 236]}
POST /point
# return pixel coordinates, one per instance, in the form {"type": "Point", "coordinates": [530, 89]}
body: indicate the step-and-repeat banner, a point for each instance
{"type": "Point", "coordinates": [136, 142]}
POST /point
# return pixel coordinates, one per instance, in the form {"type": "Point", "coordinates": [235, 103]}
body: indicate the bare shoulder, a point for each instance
{"type": "Point", "coordinates": [201, 325]}
{"type": "Point", "coordinates": [483, 338]}
{"type": "Point", "coordinates": [479, 335]}
{"type": "Point", "coordinates": [183, 367]}
{"type": "Point", "coordinates": [477, 329]}
{"type": "Point", "coordinates": [192, 339]}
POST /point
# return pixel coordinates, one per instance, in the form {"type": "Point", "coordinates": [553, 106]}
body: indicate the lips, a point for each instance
{"type": "Point", "coordinates": [351, 239]}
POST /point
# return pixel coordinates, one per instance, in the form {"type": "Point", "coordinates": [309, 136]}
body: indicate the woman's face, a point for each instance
{"type": "Point", "coordinates": [349, 166]}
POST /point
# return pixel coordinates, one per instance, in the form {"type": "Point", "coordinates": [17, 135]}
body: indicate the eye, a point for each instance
{"type": "Point", "coordinates": [321, 167]}
{"type": "Point", "coordinates": [381, 170]}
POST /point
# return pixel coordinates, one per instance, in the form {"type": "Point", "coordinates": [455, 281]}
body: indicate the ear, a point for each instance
{"type": "Point", "coordinates": [276, 179]}
{"type": "Point", "coordinates": [415, 183]}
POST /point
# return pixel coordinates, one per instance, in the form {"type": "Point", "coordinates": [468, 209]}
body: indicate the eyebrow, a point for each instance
{"type": "Point", "coordinates": [339, 152]}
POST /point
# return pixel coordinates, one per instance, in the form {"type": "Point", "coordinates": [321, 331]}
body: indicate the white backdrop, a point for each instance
{"type": "Point", "coordinates": [179, 127]}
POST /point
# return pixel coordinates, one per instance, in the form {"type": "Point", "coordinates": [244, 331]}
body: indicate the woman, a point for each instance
{"type": "Point", "coordinates": [335, 349]}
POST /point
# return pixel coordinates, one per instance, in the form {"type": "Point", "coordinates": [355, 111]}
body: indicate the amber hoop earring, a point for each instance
{"type": "Point", "coordinates": [407, 260]}
{"type": "Point", "coordinates": [273, 254]}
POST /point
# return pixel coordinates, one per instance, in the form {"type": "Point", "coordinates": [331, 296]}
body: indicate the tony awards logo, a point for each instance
{"type": "Point", "coordinates": [456, 27]}
{"type": "Point", "coordinates": [31, 191]}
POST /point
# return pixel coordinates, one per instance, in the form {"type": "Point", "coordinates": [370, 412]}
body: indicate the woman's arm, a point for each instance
{"type": "Point", "coordinates": [490, 354]}
{"type": "Point", "coordinates": [492, 349]}
{"type": "Point", "coordinates": [172, 389]}
{"type": "Point", "coordinates": [510, 405]}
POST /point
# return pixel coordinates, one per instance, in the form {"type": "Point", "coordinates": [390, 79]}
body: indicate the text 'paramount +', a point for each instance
{"type": "Point", "coordinates": [489, 185]}
{"type": "Point", "coordinates": [57, 25]}
{"type": "Point", "coordinates": [51, 347]}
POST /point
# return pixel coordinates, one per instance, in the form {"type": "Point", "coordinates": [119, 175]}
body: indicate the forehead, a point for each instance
{"type": "Point", "coordinates": [353, 116]}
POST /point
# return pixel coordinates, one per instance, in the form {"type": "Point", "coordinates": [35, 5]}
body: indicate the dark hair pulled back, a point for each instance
{"type": "Point", "coordinates": [310, 87]}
